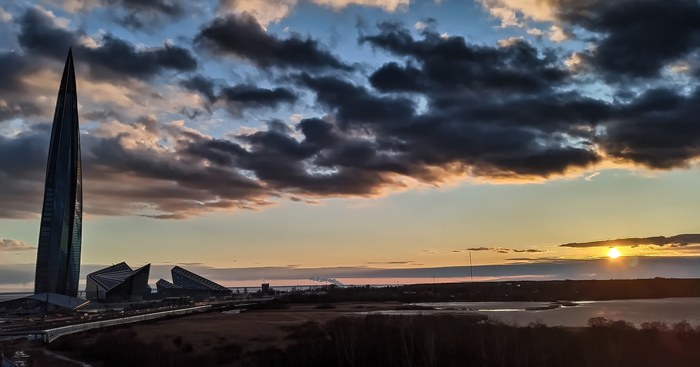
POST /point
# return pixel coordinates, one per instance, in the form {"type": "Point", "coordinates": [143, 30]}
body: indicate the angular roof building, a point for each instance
{"type": "Point", "coordinates": [118, 283]}
{"type": "Point", "coordinates": [164, 286]}
{"type": "Point", "coordinates": [189, 280]}
{"type": "Point", "coordinates": [60, 231]}
{"type": "Point", "coordinates": [189, 284]}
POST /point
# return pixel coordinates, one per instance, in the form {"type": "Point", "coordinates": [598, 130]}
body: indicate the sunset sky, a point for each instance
{"type": "Point", "coordinates": [292, 139]}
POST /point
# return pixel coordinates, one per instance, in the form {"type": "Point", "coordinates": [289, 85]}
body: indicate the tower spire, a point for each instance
{"type": "Point", "coordinates": [60, 231]}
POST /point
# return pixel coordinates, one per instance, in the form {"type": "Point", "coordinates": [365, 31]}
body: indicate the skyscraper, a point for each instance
{"type": "Point", "coordinates": [60, 232]}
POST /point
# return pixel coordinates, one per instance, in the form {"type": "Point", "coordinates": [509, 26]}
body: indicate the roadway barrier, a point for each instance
{"type": "Point", "coordinates": [49, 335]}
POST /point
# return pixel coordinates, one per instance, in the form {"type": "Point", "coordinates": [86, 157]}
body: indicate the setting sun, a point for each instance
{"type": "Point", "coordinates": [613, 253]}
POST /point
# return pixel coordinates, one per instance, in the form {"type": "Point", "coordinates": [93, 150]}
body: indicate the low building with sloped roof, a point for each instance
{"type": "Point", "coordinates": [188, 284]}
{"type": "Point", "coordinates": [118, 283]}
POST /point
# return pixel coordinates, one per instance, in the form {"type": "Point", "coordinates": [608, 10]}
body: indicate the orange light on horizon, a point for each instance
{"type": "Point", "coordinates": [614, 253]}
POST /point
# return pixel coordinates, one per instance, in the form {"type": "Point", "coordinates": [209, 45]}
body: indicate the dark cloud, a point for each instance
{"type": "Point", "coordinates": [202, 85]}
{"type": "Point", "coordinates": [530, 250]}
{"type": "Point", "coordinates": [146, 14]}
{"type": "Point", "coordinates": [451, 63]}
{"type": "Point", "coordinates": [125, 175]}
{"type": "Point", "coordinates": [478, 249]}
{"type": "Point", "coordinates": [139, 14]}
{"type": "Point", "coordinates": [15, 94]}
{"type": "Point", "coordinates": [636, 38]}
{"type": "Point", "coordinates": [681, 239]}
{"type": "Point", "coordinates": [446, 108]}
{"type": "Point", "coordinates": [22, 179]}
{"type": "Point", "coordinates": [472, 133]}
{"type": "Point", "coordinates": [238, 97]}
{"type": "Point", "coordinates": [354, 104]}
{"type": "Point", "coordinates": [311, 166]}
{"type": "Point", "coordinates": [242, 37]}
{"type": "Point", "coordinates": [17, 109]}
{"type": "Point", "coordinates": [39, 34]}
{"type": "Point", "coordinates": [659, 129]}
{"type": "Point", "coordinates": [168, 7]}
{"type": "Point", "coordinates": [113, 59]}
{"type": "Point", "coordinates": [508, 96]}
{"type": "Point", "coordinates": [314, 158]}
{"type": "Point", "coordinates": [249, 94]}
{"type": "Point", "coordinates": [122, 58]}
{"type": "Point", "coordinates": [170, 189]}
{"type": "Point", "coordinates": [14, 66]}
{"type": "Point", "coordinates": [371, 141]}
{"type": "Point", "coordinates": [393, 77]}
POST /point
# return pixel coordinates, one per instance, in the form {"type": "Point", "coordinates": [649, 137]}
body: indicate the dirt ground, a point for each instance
{"type": "Point", "coordinates": [251, 330]}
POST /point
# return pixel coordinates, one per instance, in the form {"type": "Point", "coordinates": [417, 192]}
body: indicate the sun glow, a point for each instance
{"type": "Point", "coordinates": [613, 253]}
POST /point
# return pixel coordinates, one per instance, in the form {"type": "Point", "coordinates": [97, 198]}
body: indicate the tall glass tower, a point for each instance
{"type": "Point", "coordinates": [58, 256]}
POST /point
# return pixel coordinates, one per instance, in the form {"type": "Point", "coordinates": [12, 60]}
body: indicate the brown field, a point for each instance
{"type": "Point", "coordinates": [212, 332]}
{"type": "Point", "coordinates": [251, 330]}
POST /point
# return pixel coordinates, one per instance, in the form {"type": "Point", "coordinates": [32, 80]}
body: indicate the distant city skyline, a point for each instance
{"type": "Point", "coordinates": [332, 134]}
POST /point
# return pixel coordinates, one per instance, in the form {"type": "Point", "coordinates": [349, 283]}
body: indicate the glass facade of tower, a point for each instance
{"type": "Point", "coordinates": [60, 232]}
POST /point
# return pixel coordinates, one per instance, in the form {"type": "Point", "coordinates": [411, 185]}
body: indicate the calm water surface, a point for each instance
{"type": "Point", "coordinates": [668, 310]}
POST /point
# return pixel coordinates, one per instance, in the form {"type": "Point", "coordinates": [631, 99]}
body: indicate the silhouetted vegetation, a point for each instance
{"type": "Point", "coordinates": [325, 306]}
{"type": "Point", "coordinates": [417, 341]}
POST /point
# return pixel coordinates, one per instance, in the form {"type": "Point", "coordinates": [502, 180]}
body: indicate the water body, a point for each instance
{"type": "Point", "coordinates": [667, 310]}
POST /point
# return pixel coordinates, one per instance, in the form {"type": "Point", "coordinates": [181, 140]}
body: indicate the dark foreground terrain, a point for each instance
{"type": "Point", "coordinates": [366, 341]}
{"type": "Point", "coordinates": [330, 328]}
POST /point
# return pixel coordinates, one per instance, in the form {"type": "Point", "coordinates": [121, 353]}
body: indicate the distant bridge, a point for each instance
{"type": "Point", "coordinates": [49, 335]}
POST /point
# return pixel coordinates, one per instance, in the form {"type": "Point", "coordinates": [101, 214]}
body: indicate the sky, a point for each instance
{"type": "Point", "coordinates": [363, 141]}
